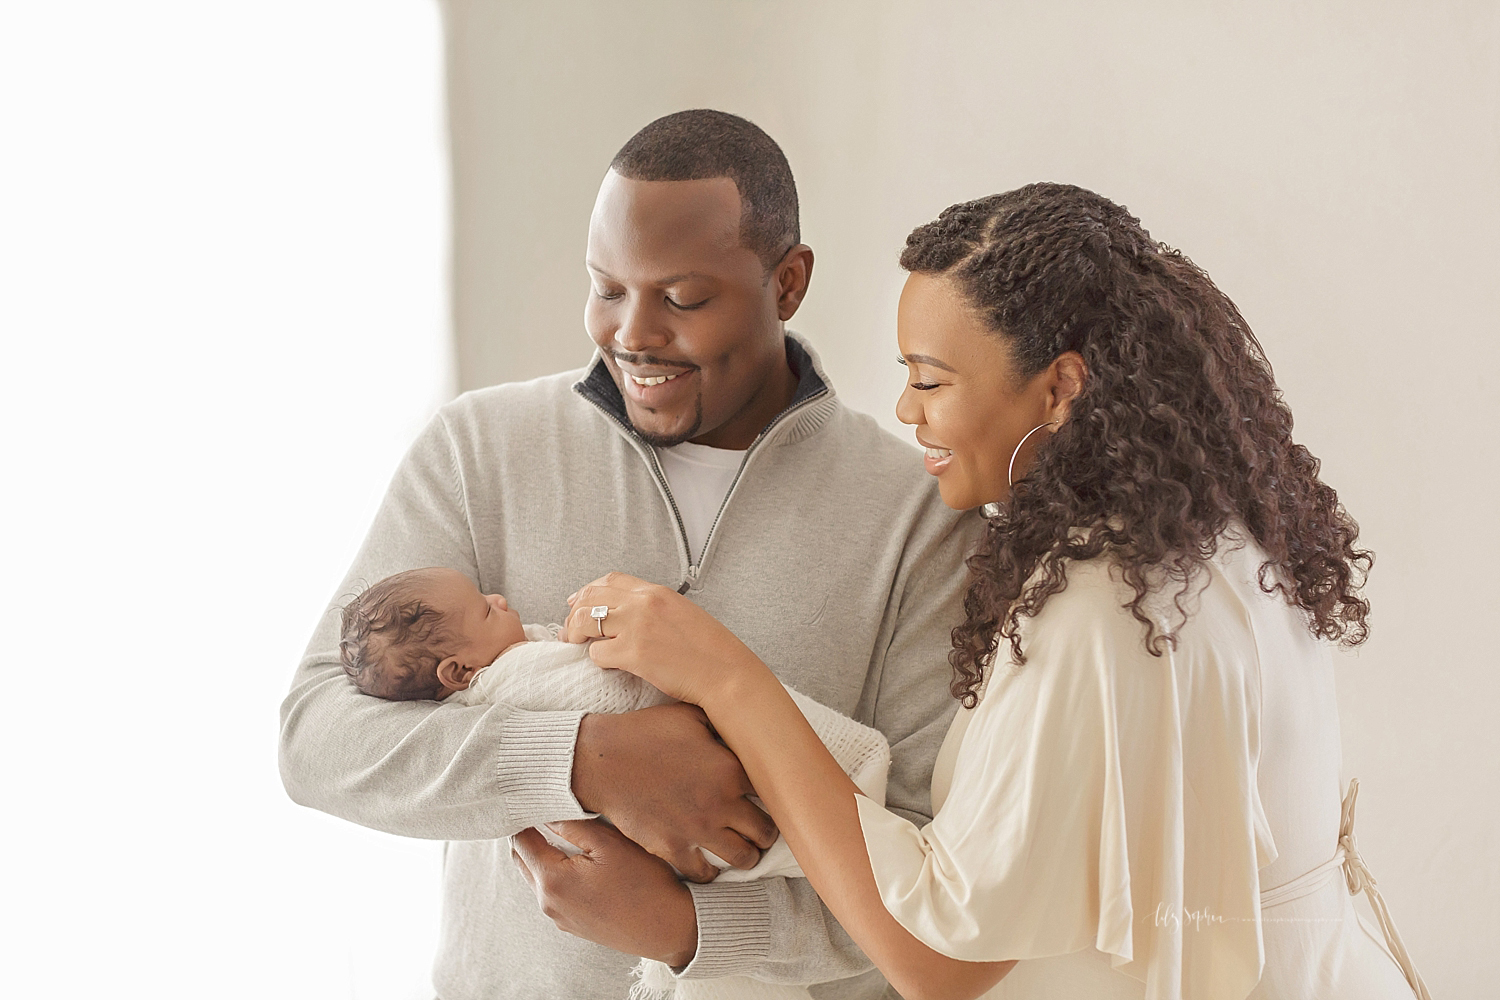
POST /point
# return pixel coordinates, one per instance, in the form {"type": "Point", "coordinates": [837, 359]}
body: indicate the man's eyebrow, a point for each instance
{"type": "Point", "coordinates": [927, 359]}
{"type": "Point", "coordinates": [670, 280]}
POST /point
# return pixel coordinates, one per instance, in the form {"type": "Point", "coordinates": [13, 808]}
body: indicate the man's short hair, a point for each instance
{"type": "Point", "coordinates": [699, 144]}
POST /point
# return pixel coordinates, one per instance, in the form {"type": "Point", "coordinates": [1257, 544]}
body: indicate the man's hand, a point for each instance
{"type": "Point", "coordinates": [614, 893]}
{"type": "Point", "coordinates": [668, 784]}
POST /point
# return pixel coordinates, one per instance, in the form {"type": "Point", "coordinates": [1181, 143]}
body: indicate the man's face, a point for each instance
{"type": "Point", "coordinates": [684, 315]}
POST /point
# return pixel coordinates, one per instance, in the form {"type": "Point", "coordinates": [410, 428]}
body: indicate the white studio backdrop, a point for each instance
{"type": "Point", "coordinates": [223, 243]}
{"type": "Point", "coordinates": [1335, 165]}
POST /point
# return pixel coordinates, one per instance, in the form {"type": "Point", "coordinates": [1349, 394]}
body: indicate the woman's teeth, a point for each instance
{"type": "Point", "coordinates": [936, 453]}
{"type": "Point", "coordinates": [652, 380]}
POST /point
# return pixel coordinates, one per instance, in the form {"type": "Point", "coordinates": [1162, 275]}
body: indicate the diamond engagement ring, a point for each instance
{"type": "Point", "coordinates": [599, 612]}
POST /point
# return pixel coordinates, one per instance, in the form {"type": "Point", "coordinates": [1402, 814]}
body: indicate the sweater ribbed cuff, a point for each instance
{"type": "Point", "coordinates": [534, 767]}
{"type": "Point", "coordinates": [734, 929]}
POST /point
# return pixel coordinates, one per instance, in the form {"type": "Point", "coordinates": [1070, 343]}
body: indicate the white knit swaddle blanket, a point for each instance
{"type": "Point", "coordinates": [546, 675]}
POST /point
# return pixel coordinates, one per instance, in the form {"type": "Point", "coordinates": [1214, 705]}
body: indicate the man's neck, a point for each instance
{"type": "Point", "coordinates": [773, 396]}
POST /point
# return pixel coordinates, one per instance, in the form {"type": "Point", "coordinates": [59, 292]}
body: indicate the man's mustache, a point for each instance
{"type": "Point", "coordinates": [651, 359]}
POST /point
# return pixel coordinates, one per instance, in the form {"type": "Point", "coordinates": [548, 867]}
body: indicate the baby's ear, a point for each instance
{"type": "Point", "coordinates": [453, 674]}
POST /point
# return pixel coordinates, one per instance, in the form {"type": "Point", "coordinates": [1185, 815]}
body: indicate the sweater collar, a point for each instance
{"type": "Point", "coordinates": [599, 388]}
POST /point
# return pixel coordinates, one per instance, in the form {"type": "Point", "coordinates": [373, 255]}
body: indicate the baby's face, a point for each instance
{"type": "Point", "coordinates": [484, 624]}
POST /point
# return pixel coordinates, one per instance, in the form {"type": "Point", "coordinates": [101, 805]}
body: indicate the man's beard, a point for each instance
{"type": "Point", "coordinates": [668, 440]}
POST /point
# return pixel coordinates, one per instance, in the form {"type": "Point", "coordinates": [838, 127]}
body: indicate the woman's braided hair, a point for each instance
{"type": "Point", "coordinates": [1179, 431]}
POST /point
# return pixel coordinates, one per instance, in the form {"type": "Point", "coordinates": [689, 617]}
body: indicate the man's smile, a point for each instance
{"type": "Point", "coordinates": [650, 381]}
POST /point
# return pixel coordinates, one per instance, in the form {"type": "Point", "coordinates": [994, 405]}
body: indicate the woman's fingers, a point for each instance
{"type": "Point", "coordinates": [581, 623]}
{"type": "Point", "coordinates": [617, 592]}
{"type": "Point", "coordinates": [579, 626]}
{"type": "Point", "coordinates": [627, 600]}
{"type": "Point", "coordinates": [654, 633]}
{"type": "Point", "coordinates": [613, 583]}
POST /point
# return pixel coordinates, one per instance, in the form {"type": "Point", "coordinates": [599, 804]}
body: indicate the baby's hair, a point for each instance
{"type": "Point", "coordinates": [391, 641]}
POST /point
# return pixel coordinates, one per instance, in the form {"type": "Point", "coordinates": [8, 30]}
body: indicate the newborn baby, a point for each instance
{"type": "Point", "coordinates": [430, 634]}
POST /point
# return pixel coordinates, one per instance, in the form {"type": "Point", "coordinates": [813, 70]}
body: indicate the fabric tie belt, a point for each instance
{"type": "Point", "coordinates": [1358, 878]}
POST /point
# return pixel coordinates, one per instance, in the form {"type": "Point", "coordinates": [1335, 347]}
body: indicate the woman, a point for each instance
{"type": "Point", "coordinates": [1139, 795]}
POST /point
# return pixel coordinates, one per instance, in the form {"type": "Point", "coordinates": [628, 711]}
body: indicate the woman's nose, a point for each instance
{"type": "Point", "coordinates": [908, 407]}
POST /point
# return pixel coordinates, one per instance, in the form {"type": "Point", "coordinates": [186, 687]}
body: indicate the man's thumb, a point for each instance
{"type": "Point", "coordinates": [579, 836]}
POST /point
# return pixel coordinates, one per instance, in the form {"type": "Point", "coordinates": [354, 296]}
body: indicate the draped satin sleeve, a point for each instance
{"type": "Point", "coordinates": [1101, 797]}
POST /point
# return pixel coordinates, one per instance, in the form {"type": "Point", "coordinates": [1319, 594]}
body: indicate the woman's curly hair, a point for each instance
{"type": "Point", "coordinates": [1179, 431]}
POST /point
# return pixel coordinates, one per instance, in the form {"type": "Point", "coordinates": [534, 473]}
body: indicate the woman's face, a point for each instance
{"type": "Point", "coordinates": [963, 396]}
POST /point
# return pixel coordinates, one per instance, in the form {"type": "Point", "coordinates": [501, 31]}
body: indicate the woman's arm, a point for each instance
{"type": "Point", "coordinates": [665, 638]}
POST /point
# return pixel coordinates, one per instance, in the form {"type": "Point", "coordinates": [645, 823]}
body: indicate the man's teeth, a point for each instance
{"type": "Point", "coordinates": [652, 380]}
{"type": "Point", "coordinates": [939, 452]}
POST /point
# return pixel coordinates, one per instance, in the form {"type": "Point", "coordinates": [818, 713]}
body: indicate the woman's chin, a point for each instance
{"type": "Point", "coordinates": [963, 496]}
{"type": "Point", "coordinates": [958, 499]}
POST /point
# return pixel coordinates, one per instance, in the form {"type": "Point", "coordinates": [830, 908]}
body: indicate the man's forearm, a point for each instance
{"type": "Point", "coordinates": [417, 768]}
{"type": "Point", "coordinates": [424, 770]}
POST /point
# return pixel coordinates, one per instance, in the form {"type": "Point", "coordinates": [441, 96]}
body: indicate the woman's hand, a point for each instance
{"type": "Point", "coordinates": [658, 634]}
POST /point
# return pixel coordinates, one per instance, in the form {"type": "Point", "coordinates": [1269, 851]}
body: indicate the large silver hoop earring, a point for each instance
{"type": "Point", "coordinates": [992, 509]}
{"type": "Point", "coordinates": [1012, 466]}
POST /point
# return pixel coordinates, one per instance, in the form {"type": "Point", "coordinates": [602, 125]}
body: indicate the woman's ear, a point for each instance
{"type": "Point", "coordinates": [1067, 376]}
{"type": "Point", "coordinates": [454, 675]}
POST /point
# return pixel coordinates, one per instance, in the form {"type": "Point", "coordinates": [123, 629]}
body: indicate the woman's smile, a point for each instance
{"type": "Point", "coordinates": [936, 459]}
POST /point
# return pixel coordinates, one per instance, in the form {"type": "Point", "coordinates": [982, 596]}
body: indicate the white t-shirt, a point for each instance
{"type": "Point", "coordinates": [700, 478]}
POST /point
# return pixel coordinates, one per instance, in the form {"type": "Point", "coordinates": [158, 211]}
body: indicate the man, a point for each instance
{"type": "Point", "coordinates": [701, 448]}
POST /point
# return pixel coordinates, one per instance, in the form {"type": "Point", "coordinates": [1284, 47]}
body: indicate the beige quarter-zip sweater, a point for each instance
{"type": "Point", "coordinates": [833, 558]}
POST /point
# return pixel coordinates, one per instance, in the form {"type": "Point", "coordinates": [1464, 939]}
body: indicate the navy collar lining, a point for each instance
{"type": "Point", "coordinates": [600, 389]}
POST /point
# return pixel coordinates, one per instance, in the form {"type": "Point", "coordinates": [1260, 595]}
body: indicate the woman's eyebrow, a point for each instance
{"type": "Point", "coordinates": [927, 359]}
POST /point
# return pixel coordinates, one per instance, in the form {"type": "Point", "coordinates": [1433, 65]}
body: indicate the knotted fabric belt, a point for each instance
{"type": "Point", "coordinates": [1358, 878]}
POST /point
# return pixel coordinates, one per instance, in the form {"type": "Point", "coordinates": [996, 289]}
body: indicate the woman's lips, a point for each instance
{"type": "Point", "coordinates": [936, 459]}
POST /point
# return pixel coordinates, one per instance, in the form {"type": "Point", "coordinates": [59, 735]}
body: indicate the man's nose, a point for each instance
{"type": "Point", "coordinates": [641, 328]}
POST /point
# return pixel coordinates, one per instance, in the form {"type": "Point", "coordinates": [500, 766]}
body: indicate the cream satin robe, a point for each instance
{"type": "Point", "coordinates": [1113, 818]}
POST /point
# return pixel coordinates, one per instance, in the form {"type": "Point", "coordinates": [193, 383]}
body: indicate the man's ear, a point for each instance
{"type": "Point", "coordinates": [452, 674]}
{"type": "Point", "coordinates": [1067, 376]}
{"type": "Point", "coordinates": [792, 277]}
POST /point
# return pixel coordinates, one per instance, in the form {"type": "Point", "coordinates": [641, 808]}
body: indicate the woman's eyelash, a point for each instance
{"type": "Point", "coordinates": [923, 386]}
